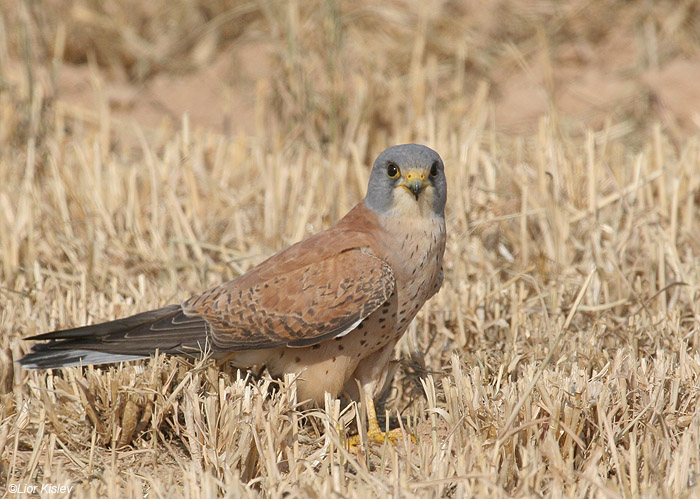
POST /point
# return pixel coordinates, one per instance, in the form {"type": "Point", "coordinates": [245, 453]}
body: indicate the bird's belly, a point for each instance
{"type": "Point", "coordinates": [316, 371]}
{"type": "Point", "coordinates": [327, 366]}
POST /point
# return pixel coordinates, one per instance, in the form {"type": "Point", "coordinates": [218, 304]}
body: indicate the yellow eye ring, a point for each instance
{"type": "Point", "coordinates": [392, 170]}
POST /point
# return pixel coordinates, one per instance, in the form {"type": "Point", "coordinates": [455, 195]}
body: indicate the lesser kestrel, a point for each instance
{"type": "Point", "coordinates": [329, 309]}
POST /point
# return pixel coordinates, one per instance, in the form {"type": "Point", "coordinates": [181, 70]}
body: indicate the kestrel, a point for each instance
{"type": "Point", "coordinates": [328, 309]}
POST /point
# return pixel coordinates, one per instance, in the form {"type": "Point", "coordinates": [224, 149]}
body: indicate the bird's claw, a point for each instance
{"type": "Point", "coordinates": [374, 432]}
{"type": "Point", "coordinates": [378, 436]}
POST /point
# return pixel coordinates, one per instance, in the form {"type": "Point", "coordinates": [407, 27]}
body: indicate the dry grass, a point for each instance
{"type": "Point", "coordinates": [560, 358]}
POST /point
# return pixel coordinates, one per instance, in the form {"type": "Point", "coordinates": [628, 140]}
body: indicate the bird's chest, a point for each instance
{"type": "Point", "coordinates": [417, 264]}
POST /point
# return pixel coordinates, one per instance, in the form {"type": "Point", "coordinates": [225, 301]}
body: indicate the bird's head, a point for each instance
{"type": "Point", "coordinates": [407, 180]}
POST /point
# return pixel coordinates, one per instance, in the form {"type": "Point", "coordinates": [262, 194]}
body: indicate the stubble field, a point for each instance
{"type": "Point", "coordinates": [149, 151]}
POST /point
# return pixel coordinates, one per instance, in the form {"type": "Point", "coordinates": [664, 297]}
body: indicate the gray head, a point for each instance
{"type": "Point", "coordinates": [407, 180]}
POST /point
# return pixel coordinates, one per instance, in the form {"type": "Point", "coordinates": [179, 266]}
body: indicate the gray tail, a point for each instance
{"type": "Point", "coordinates": [166, 329]}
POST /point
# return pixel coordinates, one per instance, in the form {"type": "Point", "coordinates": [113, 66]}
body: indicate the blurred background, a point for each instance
{"type": "Point", "coordinates": [326, 72]}
{"type": "Point", "coordinates": [151, 149]}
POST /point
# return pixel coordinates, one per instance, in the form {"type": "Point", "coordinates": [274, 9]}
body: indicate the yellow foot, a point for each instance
{"type": "Point", "coordinates": [378, 436]}
{"type": "Point", "coordinates": [374, 433]}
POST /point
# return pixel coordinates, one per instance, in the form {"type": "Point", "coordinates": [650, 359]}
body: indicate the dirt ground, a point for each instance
{"type": "Point", "coordinates": [608, 62]}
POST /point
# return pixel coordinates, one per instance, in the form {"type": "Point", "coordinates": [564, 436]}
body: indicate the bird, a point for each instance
{"type": "Point", "coordinates": [328, 310]}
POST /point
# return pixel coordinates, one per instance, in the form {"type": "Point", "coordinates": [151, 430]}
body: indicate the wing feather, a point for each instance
{"type": "Point", "coordinates": [298, 308]}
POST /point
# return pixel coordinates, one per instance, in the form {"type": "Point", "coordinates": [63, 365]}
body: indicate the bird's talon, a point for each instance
{"type": "Point", "coordinates": [394, 437]}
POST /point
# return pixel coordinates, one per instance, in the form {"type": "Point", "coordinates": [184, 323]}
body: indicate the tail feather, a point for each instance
{"type": "Point", "coordinates": [166, 329]}
{"type": "Point", "coordinates": [52, 359]}
{"type": "Point", "coordinates": [110, 327]}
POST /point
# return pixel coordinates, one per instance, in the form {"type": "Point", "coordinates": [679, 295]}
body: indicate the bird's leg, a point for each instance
{"type": "Point", "coordinates": [372, 421]}
{"type": "Point", "coordinates": [374, 431]}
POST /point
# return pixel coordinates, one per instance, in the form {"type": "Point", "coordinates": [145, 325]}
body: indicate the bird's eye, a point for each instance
{"type": "Point", "coordinates": [434, 169]}
{"type": "Point", "coordinates": [392, 170]}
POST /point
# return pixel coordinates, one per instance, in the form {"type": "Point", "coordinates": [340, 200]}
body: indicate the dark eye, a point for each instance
{"type": "Point", "coordinates": [392, 170]}
{"type": "Point", "coordinates": [434, 169]}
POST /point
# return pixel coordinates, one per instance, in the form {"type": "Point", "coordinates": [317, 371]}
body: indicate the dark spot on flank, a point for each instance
{"type": "Point", "coordinates": [326, 371]}
{"type": "Point", "coordinates": [338, 338]}
{"type": "Point", "coordinates": [281, 354]}
{"type": "Point", "coordinates": [297, 359]}
{"type": "Point", "coordinates": [363, 342]}
{"type": "Point", "coordinates": [341, 347]}
{"type": "Point", "coordinates": [316, 346]}
{"type": "Point", "coordinates": [364, 334]}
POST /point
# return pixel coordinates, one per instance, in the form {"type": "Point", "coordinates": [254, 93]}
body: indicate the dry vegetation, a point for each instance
{"type": "Point", "coordinates": [561, 356]}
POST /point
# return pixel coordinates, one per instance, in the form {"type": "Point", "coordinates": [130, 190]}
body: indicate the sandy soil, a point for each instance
{"type": "Point", "coordinates": [620, 72]}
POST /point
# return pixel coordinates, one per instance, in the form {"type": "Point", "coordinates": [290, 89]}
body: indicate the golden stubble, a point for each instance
{"type": "Point", "coordinates": [586, 236]}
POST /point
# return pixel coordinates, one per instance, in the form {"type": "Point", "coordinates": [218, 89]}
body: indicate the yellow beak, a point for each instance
{"type": "Point", "coordinates": [415, 183]}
